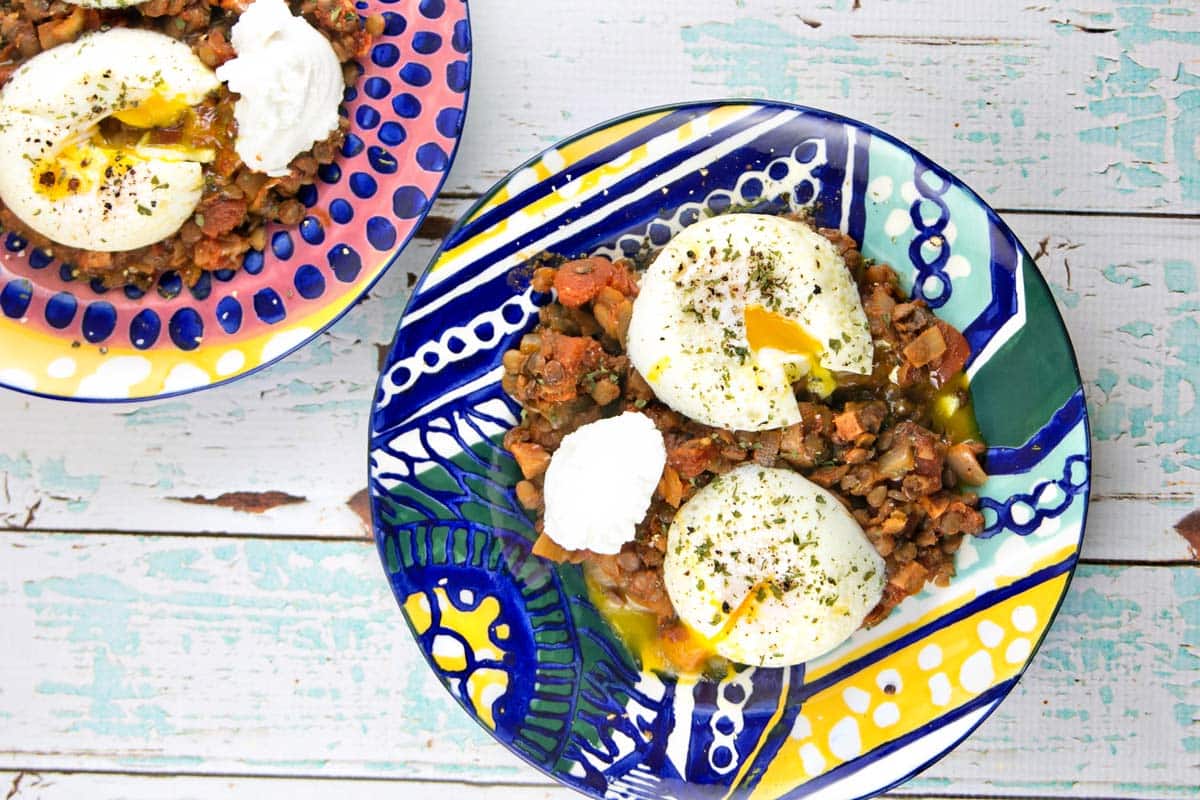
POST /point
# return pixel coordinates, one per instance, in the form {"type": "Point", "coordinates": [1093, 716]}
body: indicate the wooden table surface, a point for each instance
{"type": "Point", "coordinates": [191, 605]}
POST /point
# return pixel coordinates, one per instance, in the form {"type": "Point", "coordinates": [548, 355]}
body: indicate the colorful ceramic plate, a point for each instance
{"type": "Point", "coordinates": [516, 641]}
{"type": "Point", "coordinates": [67, 338]}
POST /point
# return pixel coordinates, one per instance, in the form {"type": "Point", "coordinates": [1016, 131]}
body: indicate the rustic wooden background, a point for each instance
{"type": "Point", "coordinates": [190, 603]}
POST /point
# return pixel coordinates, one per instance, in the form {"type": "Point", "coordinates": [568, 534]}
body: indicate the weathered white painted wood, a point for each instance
{"type": "Point", "coordinates": [268, 657]}
{"type": "Point", "coordinates": [300, 428]}
{"type": "Point", "coordinates": [142, 786]}
{"type": "Point", "coordinates": [126, 786]}
{"type": "Point", "coordinates": [1019, 99]}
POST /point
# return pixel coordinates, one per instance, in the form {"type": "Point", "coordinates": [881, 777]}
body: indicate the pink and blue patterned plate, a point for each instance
{"type": "Point", "coordinates": [67, 338]}
{"type": "Point", "coordinates": [516, 640]}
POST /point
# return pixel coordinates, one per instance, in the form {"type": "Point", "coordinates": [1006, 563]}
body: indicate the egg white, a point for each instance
{"type": "Point", "coordinates": [54, 101]}
{"type": "Point", "coordinates": [770, 567]}
{"type": "Point", "coordinates": [688, 335]}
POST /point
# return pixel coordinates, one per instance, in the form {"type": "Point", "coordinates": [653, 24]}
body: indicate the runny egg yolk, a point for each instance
{"type": "Point", "coordinates": [766, 329]}
{"type": "Point", "coordinates": [79, 167]}
{"type": "Point", "coordinates": [156, 111]}
{"type": "Point", "coordinates": [639, 631]}
{"type": "Point", "coordinates": [952, 416]}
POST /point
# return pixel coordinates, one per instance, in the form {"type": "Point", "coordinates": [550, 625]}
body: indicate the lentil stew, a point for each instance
{"type": "Point", "coordinates": [898, 447]}
{"type": "Point", "coordinates": [237, 202]}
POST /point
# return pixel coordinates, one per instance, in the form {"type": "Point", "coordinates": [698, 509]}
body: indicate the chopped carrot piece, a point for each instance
{"type": "Point", "coordinates": [578, 282]}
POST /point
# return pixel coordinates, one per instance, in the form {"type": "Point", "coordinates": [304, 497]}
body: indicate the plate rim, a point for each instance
{"type": "Point", "coordinates": [993, 218]}
{"type": "Point", "coordinates": [353, 302]}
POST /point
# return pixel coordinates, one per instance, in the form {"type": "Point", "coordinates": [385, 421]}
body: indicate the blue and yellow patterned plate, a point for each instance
{"type": "Point", "coordinates": [516, 641]}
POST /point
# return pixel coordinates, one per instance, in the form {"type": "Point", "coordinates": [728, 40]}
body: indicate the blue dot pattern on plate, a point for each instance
{"type": "Point", "coordinates": [363, 185]}
{"type": "Point", "coordinates": [345, 263]}
{"type": "Point", "coordinates": [186, 328]}
{"type": "Point", "coordinates": [311, 230]}
{"type": "Point", "coordinates": [366, 117]}
{"type": "Point", "coordinates": [307, 195]}
{"type": "Point", "coordinates": [341, 211]}
{"type": "Point", "coordinates": [432, 157]}
{"type": "Point", "coordinates": [144, 329]}
{"type": "Point", "coordinates": [432, 9]}
{"type": "Point", "coordinates": [415, 74]}
{"type": "Point", "coordinates": [170, 285]}
{"type": "Point", "coordinates": [409, 202]}
{"type": "Point", "coordinates": [462, 36]}
{"type": "Point", "coordinates": [202, 288]}
{"type": "Point", "coordinates": [15, 298]}
{"type": "Point", "coordinates": [385, 54]}
{"type": "Point", "coordinates": [329, 173]}
{"type": "Point", "coordinates": [282, 245]}
{"type": "Point", "coordinates": [449, 122]}
{"type": "Point", "coordinates": [60, 310]}
{"type": "Point", "coordinates": [351, 146]}
{"type": "Point", "coordinates": [99, 320]}
{"type": "Point", "coordinates": [393, 23]}
{"type": "Point", "coordinates": [392, 133]}
{"type": "Point", "coordinates": [253, 261]}
{"type": "Point", "coordinates": [406, 105]}
{"type": "Point", "coordinates": [229, 314]}
{"type": "Point", "coordinates": [377, 88]}
{"type": "Point", "coordinates": [309, 282]}
{"type": "Point", "coordinates": [457, 75]}
{"type": "Point", "coordinates": [381, 160]}
{"type": "Point", "coordinates": [381, 233]}
{"type": "Point", "coordinates": [268, 306]}
{"type": "Point", "coordinates": [40, 259]}
{"type": "Point", "coordinates": [425, 42]}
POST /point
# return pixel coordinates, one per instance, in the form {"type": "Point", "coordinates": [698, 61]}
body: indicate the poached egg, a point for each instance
{"type": "Point", "coordinates": [770, 568]}
{"type": "Point", "coordinates": [736, 308]}
{"type": "Point", "coordinates": [60, 176]}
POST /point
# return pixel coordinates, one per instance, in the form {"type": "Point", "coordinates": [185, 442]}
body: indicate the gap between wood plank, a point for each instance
{"type": "Point", "coordinates": [218, 776]}
{"type": "Point", "coordinates": [1048, 212]}
{"type": "Point", "coordinates": [324, 537]}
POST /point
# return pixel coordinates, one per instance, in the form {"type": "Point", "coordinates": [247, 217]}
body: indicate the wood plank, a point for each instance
{"type": "Point", "coordinates": [1048, 105]}
{"type": "Point", "coordinates": [145, 786]}
{"type": "Point", "coordinates": [1129, 301]}
{"type": "Point", "coordinates": [126, 786]}
{"type": "Point", "coordinates": [266, 657]}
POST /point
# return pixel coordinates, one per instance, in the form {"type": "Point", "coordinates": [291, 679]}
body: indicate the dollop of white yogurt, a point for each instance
{"type": "Point", "coordinates": [289, 81]}
{"type": "Point", "coordinates": [600, 483]}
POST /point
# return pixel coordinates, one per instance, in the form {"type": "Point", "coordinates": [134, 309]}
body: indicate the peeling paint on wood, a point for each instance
{"type": "Point", "coordinates": [360, 504]}
{"type": "Point", "coordinates": [247, 502]}
{"type": "Point", "coordinates": [1189, 529]}
{"type": "Point", "coordinates": [435, 228]}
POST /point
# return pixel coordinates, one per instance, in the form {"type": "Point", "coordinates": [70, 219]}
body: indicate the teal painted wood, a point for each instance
{"type": "Point", "coordinates": [287, 657]}
{"type": "Point", "coordinates": [1048, 105]}
{"type": "Point", "coordinates": [72, 786]}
